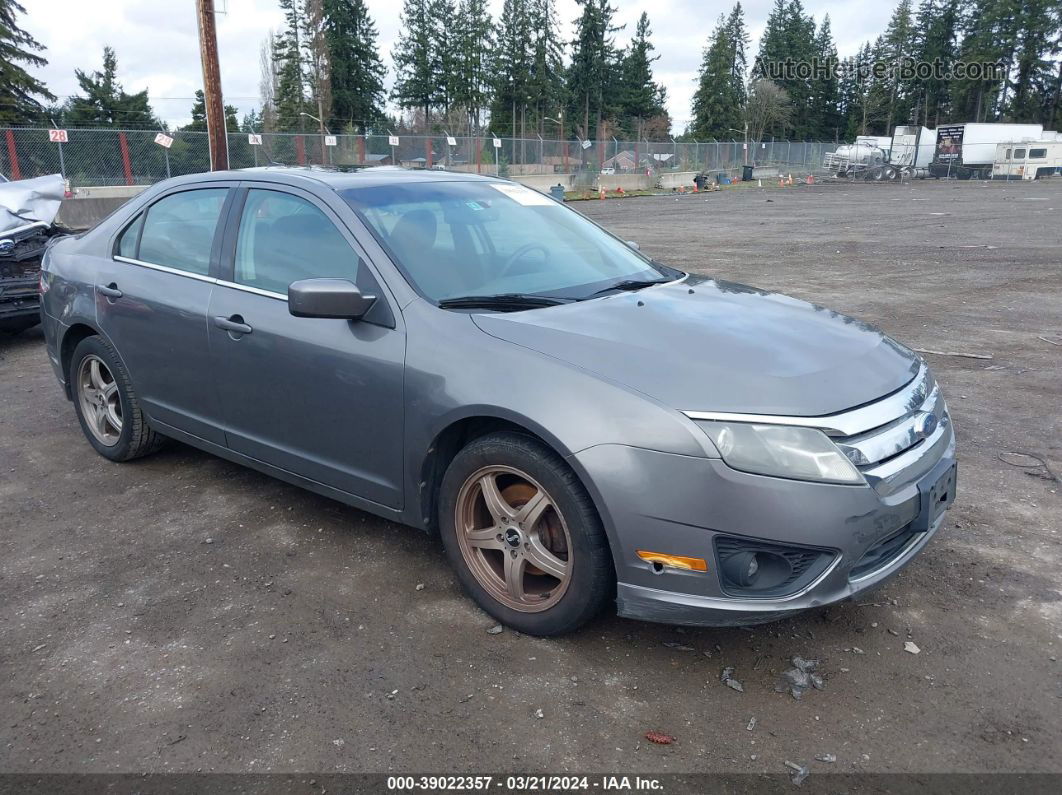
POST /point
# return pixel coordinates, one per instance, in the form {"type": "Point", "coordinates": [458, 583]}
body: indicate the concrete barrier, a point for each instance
{"type": "Point", "coordinates": [673, 179]}
{"type": "Point", "coordinates": [89, 206]}
{"type": "Point", "coordinates": [543, 182]}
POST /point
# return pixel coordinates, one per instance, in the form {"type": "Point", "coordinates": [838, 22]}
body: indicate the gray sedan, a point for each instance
{"type": "Point", "coordinates": [577, 422]}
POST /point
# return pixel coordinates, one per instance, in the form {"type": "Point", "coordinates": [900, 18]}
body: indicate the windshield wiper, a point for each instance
{"type": "Point", "coordinates": [506, 302]}
{"type": "Point", "coordinates": [628, 285]}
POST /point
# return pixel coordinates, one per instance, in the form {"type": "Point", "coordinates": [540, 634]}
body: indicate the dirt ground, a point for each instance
{"type": "Point", "coordinates": [182, 614]}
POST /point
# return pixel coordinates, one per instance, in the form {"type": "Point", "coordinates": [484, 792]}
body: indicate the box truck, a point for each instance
{"type": "Point", "coordinates": [968, 151]}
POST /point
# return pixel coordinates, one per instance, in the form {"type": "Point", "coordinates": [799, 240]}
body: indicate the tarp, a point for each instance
{"type": "Point", "coordinates": [29, 200]}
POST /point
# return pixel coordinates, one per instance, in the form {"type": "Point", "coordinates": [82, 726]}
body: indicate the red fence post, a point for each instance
{"type": "Point", "coordinates": [12, 155]}
{"type": "Point", "coordinates": [123, 144]}
{"type": "Point", "coordinates": [361, 148]}
{"type": "Point", "coordinates": [300, 150]}
{"type": "Point", "coordinates": [427, 151]}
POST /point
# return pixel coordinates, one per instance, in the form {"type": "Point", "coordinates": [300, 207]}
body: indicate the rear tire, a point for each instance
{"type": "Point", "coordinates": [106, 404]}
{"type": "Point", "coordinates": [523, 535]}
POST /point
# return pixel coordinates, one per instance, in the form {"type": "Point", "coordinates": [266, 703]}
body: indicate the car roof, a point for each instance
{"type": "Point", "coordinates": [336, 180]}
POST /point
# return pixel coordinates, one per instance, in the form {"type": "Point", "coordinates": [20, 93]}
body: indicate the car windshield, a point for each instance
{"type": "Point", "coordinates": [464, 239]}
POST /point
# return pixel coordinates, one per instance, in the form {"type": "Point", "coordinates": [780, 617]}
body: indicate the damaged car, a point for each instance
{"type": "Point", "coordinates": [27, 224]}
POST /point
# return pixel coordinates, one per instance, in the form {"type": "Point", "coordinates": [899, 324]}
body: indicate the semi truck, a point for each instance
{"type": "Point", "coordinates": [878, 158]}
{"type": "Point", "coordinates": [967, 151]}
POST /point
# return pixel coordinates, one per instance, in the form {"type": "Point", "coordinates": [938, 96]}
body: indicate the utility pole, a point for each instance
{"type": "Point", "coordinates": [215, 106]}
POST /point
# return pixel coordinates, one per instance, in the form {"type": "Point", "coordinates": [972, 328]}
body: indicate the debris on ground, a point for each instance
{"type": "Point", "coordinates": [800, 772]}
{"type": "Point", "coordinates": [1029, 461]}
{"type": "Point", "coordinates": [828, 758]}
{"type": "Point", "coordinates": [497, 629]}
{"type": "Point", "coordinates": [954, 353]}
{"type": "Point", "coordinates": [800, 677]}
{"type": "Point", "coordinates": [752, 724]}
{"type": "Point", "coordinates": [539, 713]}
{"type": "Point", "coordinates": [910, 647]}
{"type": "Point", "coordinates": [671, 644]}
{"type": "Point", "coordinates": [420, 586]}
{"type": "Point", "coordinates": [727, 678]}
{"type": "Point", "coordinates": [659, 738]}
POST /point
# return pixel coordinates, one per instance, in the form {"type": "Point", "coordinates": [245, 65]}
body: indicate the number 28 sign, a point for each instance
{"type": "Point", "coordinates": [57, 136]}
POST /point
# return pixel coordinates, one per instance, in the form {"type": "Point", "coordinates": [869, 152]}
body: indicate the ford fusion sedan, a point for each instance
{"type": "Point", "coordinates": [577, 422]}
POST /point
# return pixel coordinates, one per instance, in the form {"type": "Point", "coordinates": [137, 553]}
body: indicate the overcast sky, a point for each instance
{"type": "Point", "coordinates": [157, 47]}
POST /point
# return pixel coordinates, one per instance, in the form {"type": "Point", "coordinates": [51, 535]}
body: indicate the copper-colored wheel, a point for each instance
{"type": "Point", "coordinates": [513, 538]}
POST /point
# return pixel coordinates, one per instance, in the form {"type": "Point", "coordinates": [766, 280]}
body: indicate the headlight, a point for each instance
{"type": "Point", "coordinates": [781, 450]}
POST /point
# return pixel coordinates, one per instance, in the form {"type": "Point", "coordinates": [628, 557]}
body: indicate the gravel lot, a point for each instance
{"type": "Point", "coordinates": [181, 613]}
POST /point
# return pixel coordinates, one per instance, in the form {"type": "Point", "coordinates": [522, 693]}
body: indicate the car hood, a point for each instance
{"type": "Point", "coordinates": [708, 345]}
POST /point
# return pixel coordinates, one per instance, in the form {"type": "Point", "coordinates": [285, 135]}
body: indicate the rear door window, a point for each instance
{"type": "Point", "coordinates": [179, 230]}
{"type": "Point", "coordinates": [284, 238]}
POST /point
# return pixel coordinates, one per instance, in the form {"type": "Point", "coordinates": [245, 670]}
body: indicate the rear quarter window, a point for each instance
{"type": "Point", "coordinates": [129, 238]}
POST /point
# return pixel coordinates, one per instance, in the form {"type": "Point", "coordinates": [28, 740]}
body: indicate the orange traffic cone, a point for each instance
{"type": "Point", "coordinates": [811, 179]}
{"type": "Point", "coordinates": [781, 182]}
{"type": "Point", "coordinates": [601, 193]}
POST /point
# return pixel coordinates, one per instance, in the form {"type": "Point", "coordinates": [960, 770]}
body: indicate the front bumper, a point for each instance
{"type": "Point", "coordinates": [677, 505]}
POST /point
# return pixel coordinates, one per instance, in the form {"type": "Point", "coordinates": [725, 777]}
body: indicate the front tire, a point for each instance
{"type": "Point", "coordinates": [106, 405]}
{"type": "Point", "coordinates": [523, 535]}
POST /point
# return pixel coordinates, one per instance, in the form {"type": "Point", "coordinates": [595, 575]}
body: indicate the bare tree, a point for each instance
{"type": "Point", "coordinates": [767, 107]}
{"type": "Point", "coordinates": [267, 85]}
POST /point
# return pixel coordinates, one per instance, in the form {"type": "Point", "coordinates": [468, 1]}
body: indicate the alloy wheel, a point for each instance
{"type": "Point", "coordinates": [101, 406]}
{"type": "Point", "coordinates": [514, 539]}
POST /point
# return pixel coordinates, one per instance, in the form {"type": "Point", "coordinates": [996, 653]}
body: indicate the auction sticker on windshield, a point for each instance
{"type": "Point", "coordinates": [525, 196]}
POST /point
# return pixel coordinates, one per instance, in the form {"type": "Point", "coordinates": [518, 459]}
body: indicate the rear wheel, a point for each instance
{"type": "Point", "coordinates": [106, 405]}
{"type": "Point", "coordinates": [523, 535]}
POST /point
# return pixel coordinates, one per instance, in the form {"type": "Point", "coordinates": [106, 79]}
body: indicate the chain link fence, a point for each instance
{"type": "Point", "coordinates": [91, 157]}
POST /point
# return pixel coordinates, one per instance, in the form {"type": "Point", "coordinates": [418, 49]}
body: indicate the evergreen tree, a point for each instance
{"type": "Point", "coordinates": [1034, 72]}
{"type": "Point", "coordinates": [718, 103]}
{"type": "Point", "coordinates": [547, 63]}
{"type": "Point", "coordinates": [105, 103]}
{"type": "Point", "coordinates": [356, 71]}
{"type": "Point", "coordinates": [289, 62]}
{"type": "Point", "coordinates": [474, 45]}
{"type": "Point", "coordinates": [20, 92]}
{"type": "Point", "coordinates": [825, 96]}
{"type": "Point", "coordinates": [789, 40]}
{"type": "Point", "coordinates": [416, 84]}
{"type": "Point", "coordinates": [445, 51]}
{"type": "Point", "coordinates": [512, 68]}
{"type": "Point", "coordinates": [895, 49]}
{"type": "Point", "coordinates": [935, 44]}
{"type": "Point", "coordinates": [592, 71]}
{"type": "Point", "coordinates": [641, 99]}
{"type": "Point", "coordinates": [199, 124]}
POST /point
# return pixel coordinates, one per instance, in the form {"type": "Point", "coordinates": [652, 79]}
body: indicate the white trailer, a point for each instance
{"type": "Point", "coordinates": [1027, 160]}
{"type": "Point", "coordinates": [969, 150]}
{"type": "Point", "coordinates": [913, 148]}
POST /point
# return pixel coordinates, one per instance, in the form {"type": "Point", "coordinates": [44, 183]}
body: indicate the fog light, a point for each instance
{"type": "Point", "coordinates": [756, 570]}
{"type": "Point", "coordinates": [673, 561]}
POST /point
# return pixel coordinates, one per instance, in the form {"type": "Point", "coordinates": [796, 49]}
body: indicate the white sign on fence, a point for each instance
{"type": "Point", "coordinates": [451, 141]}
{"type": "Point", "coordinates": [57, 136]}
{"type": "Point", "coordinates": [164, 140]}
{"type": "Point", "coordinates": [330, 140]}
{"type": "Point", "coordinates": [587, 144]}
{"type": "Point", "coordinates": [392, 140]}
{"type": "Point", "coordinates": [254, 140]}
{"type": "Point", "coordinates": [497, 143]}
{"type": "Point", "coordinates": [745, 146]}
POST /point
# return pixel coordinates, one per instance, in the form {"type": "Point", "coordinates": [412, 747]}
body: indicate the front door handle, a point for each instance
{"type": "Point", "coordinates": [233, 324]}
{"type": "Point", "coordinates": [110, 291]}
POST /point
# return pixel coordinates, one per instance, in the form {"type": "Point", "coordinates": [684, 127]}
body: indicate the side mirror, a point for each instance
{"type": "Point", "coordinates": [334, 298]}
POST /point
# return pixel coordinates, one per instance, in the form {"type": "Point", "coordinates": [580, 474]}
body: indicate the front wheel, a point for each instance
{"type": "Point", "coordinates": [523, 535]}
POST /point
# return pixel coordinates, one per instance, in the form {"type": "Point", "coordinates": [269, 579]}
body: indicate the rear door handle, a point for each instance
{"type": "Point", "coordinates": [233, 324]}
{"type": "Point", "coordinates": [110, 291]}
